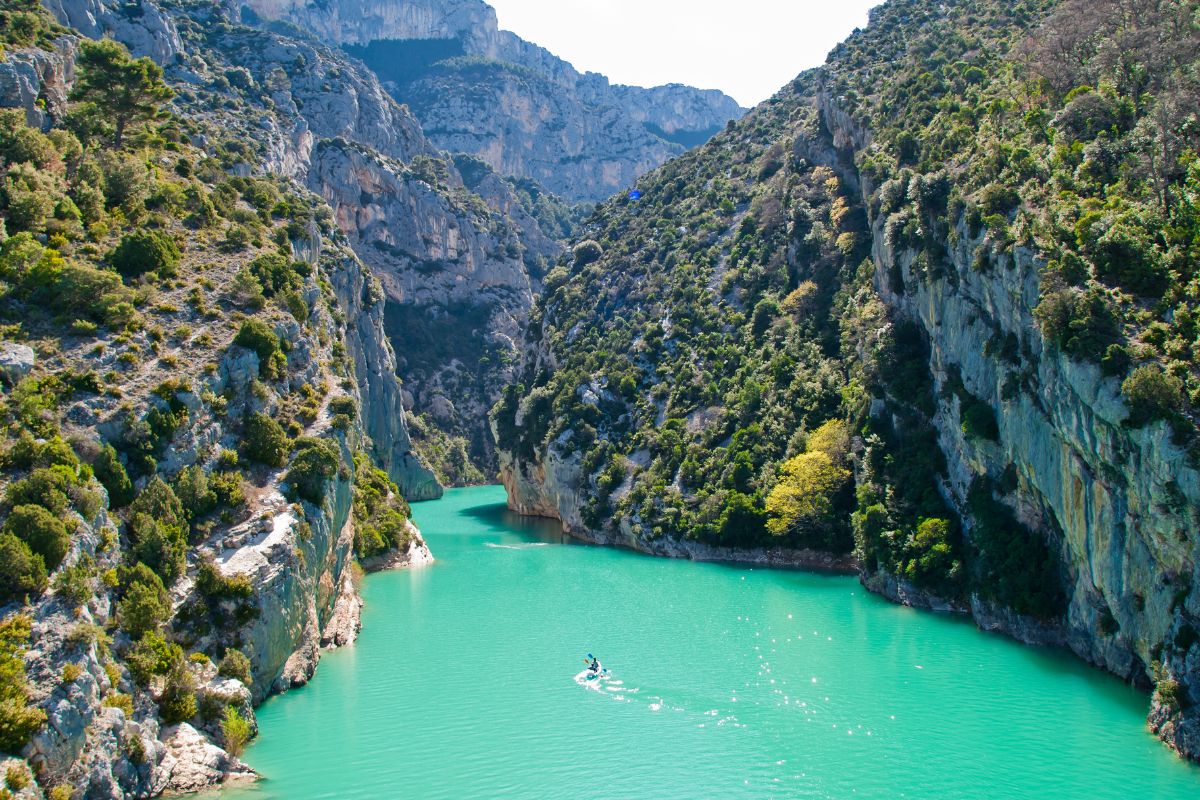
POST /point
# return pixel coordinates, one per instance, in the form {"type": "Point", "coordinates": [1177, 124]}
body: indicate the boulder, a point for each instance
{"type": "Point", "coordinates": [16, 361]}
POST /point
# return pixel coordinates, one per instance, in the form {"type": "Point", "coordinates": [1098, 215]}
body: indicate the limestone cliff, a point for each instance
{"type": "Point", "coordinates": [811, 263]}
{"type": "Point", "coordinates": [524, 111]}
{"type": "Point", "coordinates": [272, 575]}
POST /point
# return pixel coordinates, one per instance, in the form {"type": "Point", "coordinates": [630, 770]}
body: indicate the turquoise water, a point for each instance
{"type": "Point", "coordinates": [727, 682]}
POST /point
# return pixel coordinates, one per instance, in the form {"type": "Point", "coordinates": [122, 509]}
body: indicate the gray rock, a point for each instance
{"type": "Point", "coordinates": [531, 114]}
{"type": "Point", "coordinates": [16, 361]}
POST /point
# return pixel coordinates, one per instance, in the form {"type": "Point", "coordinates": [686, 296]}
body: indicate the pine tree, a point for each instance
{"type": "Point", "coordinates": [126, 90]}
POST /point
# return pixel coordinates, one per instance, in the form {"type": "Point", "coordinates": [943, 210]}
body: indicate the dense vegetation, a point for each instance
{"type": "Point", "coordinates": [700, 348]}
{"type": "Point", "coordinates": [144, 271]}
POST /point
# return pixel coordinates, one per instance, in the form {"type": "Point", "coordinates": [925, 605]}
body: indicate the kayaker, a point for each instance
{"type": "Point", "coordinates": [594, 667]}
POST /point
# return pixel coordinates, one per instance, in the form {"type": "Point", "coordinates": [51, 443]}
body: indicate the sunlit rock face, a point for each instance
{"type": "Point", "coordinates": [527, 113]}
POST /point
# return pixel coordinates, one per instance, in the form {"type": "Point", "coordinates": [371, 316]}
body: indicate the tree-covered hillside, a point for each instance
{"type": "Point", "coordinates": [187, 351]}
{"type": "Point", "coordinates": [934, 303]}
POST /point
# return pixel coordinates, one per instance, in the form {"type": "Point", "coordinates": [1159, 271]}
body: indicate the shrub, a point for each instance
{"type": "Point", "coordinates": [45, 533]}
{"type": "Point", "coordinates": [214, 585]}
{"type": "Point", "coordinates": [235, 664]}
{"type": "Point", "coordinates": [316, 461]}
{"type": "Point", "coordinates": [275, 273]}
{"type": "Point", "coordinates": [76, 584]}
{"type": "Point", "coordinates": [257, 336]}
{"type": "Point", "coordinates": [178, 700]}
{"type": "Point", "coordinates": [1169, 692]}
{"type": "Point", "coordinates": [22, 572]}
{"type": "Point", "coordinates": [152, 655]}
{"type": "Point", "coordinates": [1082, 324]}
{"type": "Point", "coordinates": [17, 777]}
{"type": "Point", "coordinates": [18, 719]}
{"type": "Point", "coordinates": [145, 251]}
{"type": "Point", "coordinates": [121, 701]}
{"type": "Point", "coordinates": [264, 441]}
{"type": "Point", "coordinates": [112, 476]}
{"type": "Point", "coordinates": [235, 731]}
{"type": "Point", "coordinates": [587, 252]}
{"type": "Point", "coordinates": [194, 492]}
{"type": "Point", "coordinates": [46, 487]}
{"type": "Point", "coordinates": [1151, 394]}
{"type": "Point", "coordinates": [145, 605]}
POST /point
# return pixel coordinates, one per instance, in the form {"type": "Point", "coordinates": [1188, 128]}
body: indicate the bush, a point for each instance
{"type": "Point", "coordinates": [46, 487]}
{"type": "Point", "coordinates": [152, 655]}
{"type": "Point", "coordinates": [235, 664]}
{"type": "Point", "coordinates": [587, 252]}
{"type": "Point", "coordinates": [257, 336]}
{"type": "Point", "coordinates": [316, 461]}
{"type": "Point", "coordinates": [145, 605]}
{"type": "Point", "coordinates": [45, 533]}
{"type": "Point", "coordinates": [194, 492]}
{"type": "Point", "coordinates": [178, 700]}
{"type": "Point", "coordinates": [112, 476]}
{"type": "Point", "coordinates": [214, 585]}
{"type": "Point", "coordinates": [76, 584]}
{"type": "Point", "coordinates": [1169, 692]}
{"type": "Point", "coordinates": [18, 719]}
{"type": "Point", "coordinates": [235, 731]}
{"type": "Point", "coordinates": [22, 572]}
{"type": "Point", "coordinates": [1151, 394]}
{"type": "Point", "coordinates": [145, 251]}
{"type": "Point", "coordinates": [264, 441]}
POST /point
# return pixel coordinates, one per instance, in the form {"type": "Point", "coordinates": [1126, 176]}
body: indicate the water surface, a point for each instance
{"type": "Point", "coordinates": [726, 682]}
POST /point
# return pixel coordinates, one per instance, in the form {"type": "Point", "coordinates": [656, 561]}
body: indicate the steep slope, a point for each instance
{"type": "Point", "coordinates": [932, 303]}
{"type": "Point", "coordinates": [310, 112]}
{"type": "Point", "coordinates": [484, 92]}
{"type": "Point", "coordinates": [200, 401]}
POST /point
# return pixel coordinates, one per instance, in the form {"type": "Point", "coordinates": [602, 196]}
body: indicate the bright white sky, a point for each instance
{"type": "Point", "coordinates": [747, 48]}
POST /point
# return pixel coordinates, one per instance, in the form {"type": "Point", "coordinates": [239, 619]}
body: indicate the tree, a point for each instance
{"type": "Point", "coordinates": [140, 252]}
{"type": "Point", "coordinates": [804, 499]}
{"type": "Point", "coordinates": [22, 572]}
{"type": "Point", "coordinates": [235, 731]}
{"type": "Point", "coordinates": [145, 605]}
{"type": "Point", "coordinates": [112, 475]}
{"type": "Point", "coordinates": [45, 533]}
{"type": "Point", "coordinates": [265, 441]}
{"type": "Point", "coordinates": [125, 90]}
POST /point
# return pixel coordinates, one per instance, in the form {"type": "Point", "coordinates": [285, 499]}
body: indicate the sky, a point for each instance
{"type": "Point", "coordinates": [747, 48]}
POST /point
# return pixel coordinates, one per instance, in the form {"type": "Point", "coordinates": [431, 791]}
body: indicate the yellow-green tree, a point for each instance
{"type": "Point", "coordinates": [803, 502]}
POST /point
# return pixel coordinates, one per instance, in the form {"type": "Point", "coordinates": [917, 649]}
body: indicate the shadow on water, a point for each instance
{"type": "Point", "coordinates": [499, 517]}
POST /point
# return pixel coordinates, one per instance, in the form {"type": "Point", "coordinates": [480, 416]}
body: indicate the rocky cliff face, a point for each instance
{"type": "Point", "coordinates": [291, 558]}
{"type": "Point", "coordinates": [1031, 448]}
{"type": "Point", "coordinates": [513, 104]}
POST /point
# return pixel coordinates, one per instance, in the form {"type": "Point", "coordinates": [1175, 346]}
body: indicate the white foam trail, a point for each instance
{"type": "Point", "coordinates": [527, 546]}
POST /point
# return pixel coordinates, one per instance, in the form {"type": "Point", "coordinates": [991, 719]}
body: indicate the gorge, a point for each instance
{"type": "Point", "coordinates": [271, 271]}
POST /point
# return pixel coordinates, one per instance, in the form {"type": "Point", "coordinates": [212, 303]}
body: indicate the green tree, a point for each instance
{"type": "Point", "coordinates": [112, 475]}
{"type": "Point", "coordinates": [140, 252]}
{"type": "Point", "coordinates": [127, 91]}
{"type": "Point", "coordinates": [145, 605]}
{"type": "Point", "coordinates": [264, 441]}
{"type": "Point", "coordinates": [45, 533]}
{"type": "Point", "coordinates": [18, 718]}
{"type": "Point", "coordinates": [22, 571]}
{"type": "Point", "coordinates": [235, 731]}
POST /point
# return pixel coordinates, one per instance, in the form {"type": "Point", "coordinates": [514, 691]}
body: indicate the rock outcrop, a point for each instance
{"type": "Point", "coordinates": [524, 111]}
{"type": "Point", "coordinates": [1059, 464]}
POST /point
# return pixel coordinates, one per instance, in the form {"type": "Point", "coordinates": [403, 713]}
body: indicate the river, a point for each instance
{"type": "Point", "coordinates": [725, 682]}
